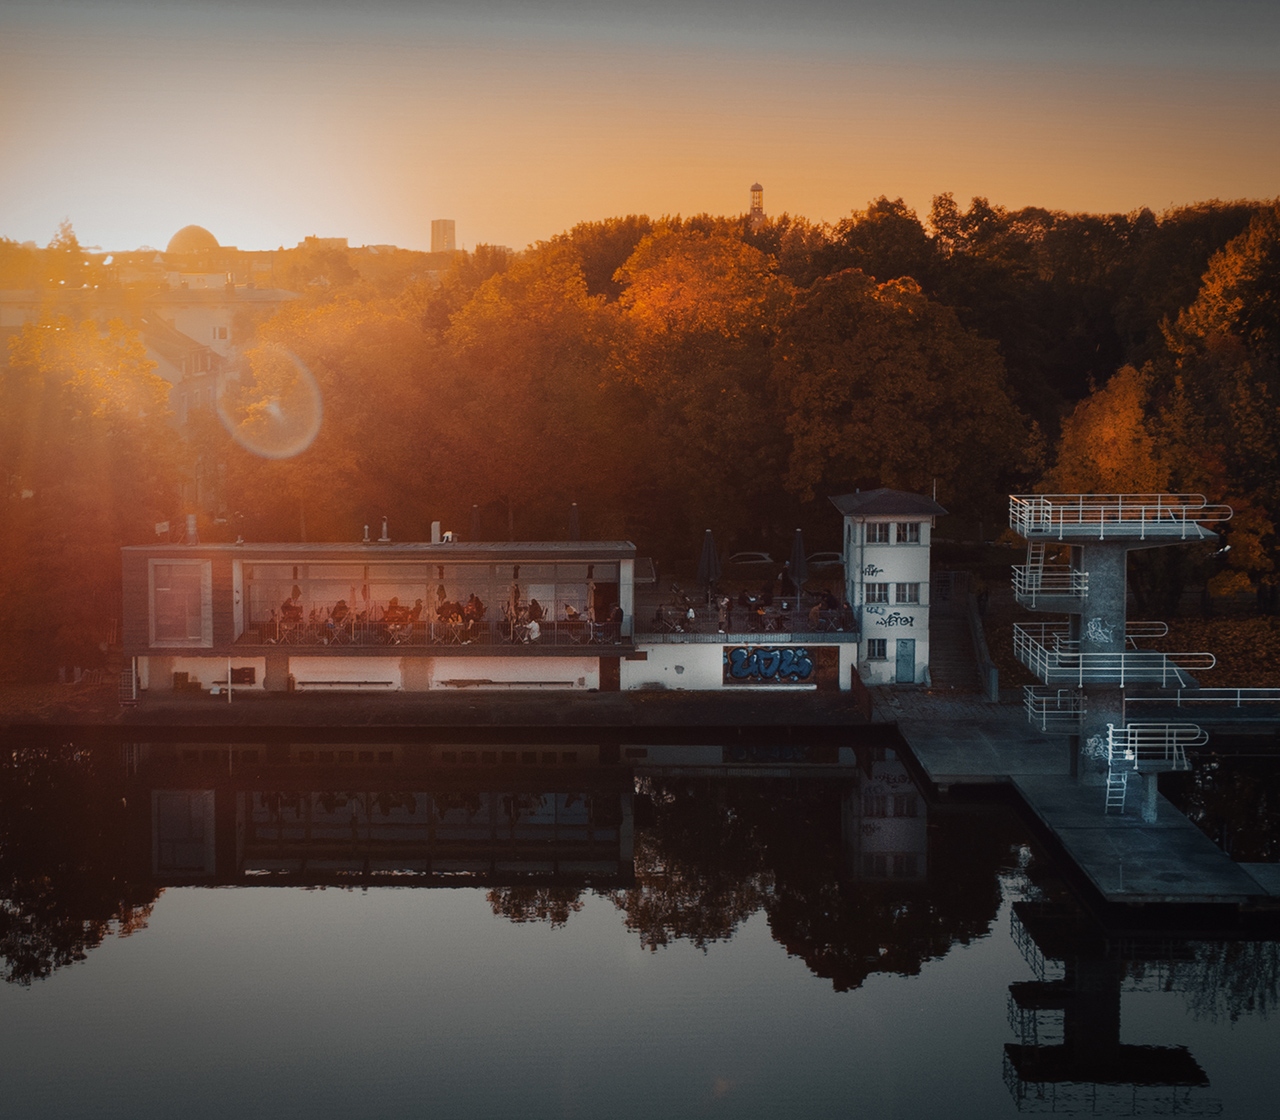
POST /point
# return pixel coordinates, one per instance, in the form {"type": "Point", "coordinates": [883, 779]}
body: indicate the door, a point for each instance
{"type": "Point", "coordinates": [906, 669]}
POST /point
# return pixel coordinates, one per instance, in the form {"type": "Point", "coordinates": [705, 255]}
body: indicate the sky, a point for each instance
{"type": "Point", "coordinates": [269, 120]}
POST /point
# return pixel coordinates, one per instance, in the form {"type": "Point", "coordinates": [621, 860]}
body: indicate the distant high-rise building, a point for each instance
{"type": "Point", "coordinates": [756, 217]}
{"type": "Point", "coordinates": [442, 236]}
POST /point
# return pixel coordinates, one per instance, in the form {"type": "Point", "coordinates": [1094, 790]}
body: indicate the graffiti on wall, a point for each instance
{"type": "Point", "coordinates": [1097, 630]}
{"type": "Point", "coordinates": [896, 619]}
{"type": "Point", "coordinates": [871, 570]}
{"type": "Point", "coordinates": [767, 665]}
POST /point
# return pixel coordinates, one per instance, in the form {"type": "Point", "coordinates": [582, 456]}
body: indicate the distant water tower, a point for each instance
{"type": "Point", "coordinates": [756, 217]}
{"type": "Point", "coordinates": [442, 236]}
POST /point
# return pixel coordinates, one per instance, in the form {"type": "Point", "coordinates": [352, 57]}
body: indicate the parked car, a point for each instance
{"type": "Point", "coordinates": [751, 561]}
{"type": "Point", "coordinates": [820, 561]}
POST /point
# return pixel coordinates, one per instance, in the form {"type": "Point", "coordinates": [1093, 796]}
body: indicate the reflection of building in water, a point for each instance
{"type": "Point", "coordinates": [317, 822]}
{"type": "Point", "coordinates": [1070, 1057]}
{"type": "Point", "coordinates": [885, 820]}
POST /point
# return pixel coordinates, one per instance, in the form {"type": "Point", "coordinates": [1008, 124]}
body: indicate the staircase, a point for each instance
{"type": "Point", "coordinates": [952, 663]}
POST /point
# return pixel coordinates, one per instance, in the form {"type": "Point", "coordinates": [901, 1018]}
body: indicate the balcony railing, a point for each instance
{"type": "Point", "coordinates": [1100, 516]}
{"type": "Point", "coordinates": [357, 634]}
{"type": "Point", "coordinates": [1049, 653]}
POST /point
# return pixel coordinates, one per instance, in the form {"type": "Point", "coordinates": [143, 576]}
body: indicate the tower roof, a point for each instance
{"type": "Point", "coordinates": [886, 503]}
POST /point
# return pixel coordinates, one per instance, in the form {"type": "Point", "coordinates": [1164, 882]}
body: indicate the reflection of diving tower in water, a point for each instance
{"type": "Point", "coordinates": [1069, 1057]}
{"type": "Point", "coordinates": [1087, 661]}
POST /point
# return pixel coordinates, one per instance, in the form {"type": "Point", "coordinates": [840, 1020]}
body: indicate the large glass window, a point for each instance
{"type": "Point", "coordinates": [311, 592]}
{"type": "Point", "coordinates": [181, 603]}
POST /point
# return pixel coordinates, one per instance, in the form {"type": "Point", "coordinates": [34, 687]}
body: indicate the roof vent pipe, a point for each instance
{"type": "Point", "coordinates": [192, 536]}
{"type": "Point", "coordinates": [384, 539]}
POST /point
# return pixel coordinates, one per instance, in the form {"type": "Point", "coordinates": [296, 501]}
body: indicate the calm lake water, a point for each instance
{"type": "Point", "coordinates": [188, 931]}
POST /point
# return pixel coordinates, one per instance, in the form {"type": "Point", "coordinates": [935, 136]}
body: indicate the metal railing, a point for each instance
{"type": "Point", "coordinates": [1058, 708]}
{"type": "Point", "coordinates": [1236, 697]}
{"type": "Point", "coordinates": [1032, 582]}
{"type": "Point", "coordinates": [1119, 515]}
{"type": "Point", "coordinates": [483, 632]}
{"type": "Point", "coordinates": [1047, 651]}
{"type": "Point", "coordinates": [1151, 745]}
{"type": "Point", "coordinates": [673, 625]}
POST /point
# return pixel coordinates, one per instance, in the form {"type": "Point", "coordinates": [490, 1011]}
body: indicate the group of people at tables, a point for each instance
{"type": "Point", "coordinates": [458, 621]}
{"type": "Point", "coordinates": [762, 612]}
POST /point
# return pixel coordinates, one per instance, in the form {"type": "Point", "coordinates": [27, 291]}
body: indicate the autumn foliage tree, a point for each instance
{"type": "Point", "coordinates": [89, 463]}
{"type": "Point", "coordinates": [882, 386]}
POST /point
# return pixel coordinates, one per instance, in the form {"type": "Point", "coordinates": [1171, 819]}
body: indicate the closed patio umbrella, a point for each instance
{"type": "Point", "coordinates": [708, 562]}
{"type": "Point", "coordinates": [799, 565]}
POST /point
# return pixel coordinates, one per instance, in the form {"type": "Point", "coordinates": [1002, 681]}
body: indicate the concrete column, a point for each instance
{"type": "Point", "coordinates": [1150, 797]}
{"type": "Point", "coordinates": [1102, 617]}
{"type": "Point", "coordinates": [1103, 706]}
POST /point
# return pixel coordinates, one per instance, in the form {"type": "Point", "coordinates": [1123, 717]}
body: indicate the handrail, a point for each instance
{"type": "Point", "coordinates": [1154, 743]}
{"type": "Point", "coordinates": [1059, 707]}
{"type": "Point", "coordinates": [1065, 664]}
{"type": "Point", "coordinates": [1237, 697]}
{"type": "Point", "coordinates": [1039, 515]}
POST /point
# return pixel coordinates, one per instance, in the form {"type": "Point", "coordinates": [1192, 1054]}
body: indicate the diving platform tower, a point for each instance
{"type": "Point", "coordinates": [1078, 547]}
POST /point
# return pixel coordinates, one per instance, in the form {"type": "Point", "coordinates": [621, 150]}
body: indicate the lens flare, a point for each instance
{"type": "Point", "coordinates": [275, 412]}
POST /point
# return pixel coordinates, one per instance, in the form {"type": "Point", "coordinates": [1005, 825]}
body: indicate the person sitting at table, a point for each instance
{"type": "Point", "coordinates": [536, 613]}
{"type": "Point", "coordinates": [291, 608]}
{"type": "Point", "coordinates": [571, 613]}
{"type": "Point", "coordinates": [815, 616]}
{"type": "Point", "coordinates": [532, 630]}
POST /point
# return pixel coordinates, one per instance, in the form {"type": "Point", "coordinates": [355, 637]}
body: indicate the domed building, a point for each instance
{"type": "Point", "coordinates": [193, 239]}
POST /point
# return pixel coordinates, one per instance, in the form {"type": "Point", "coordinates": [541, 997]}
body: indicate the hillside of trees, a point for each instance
{"type": "Point", "coordinates": [669, 375]}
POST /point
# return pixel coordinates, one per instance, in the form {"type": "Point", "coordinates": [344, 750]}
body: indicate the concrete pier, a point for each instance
{"type": "Point", "coordinates": [1126, 859]}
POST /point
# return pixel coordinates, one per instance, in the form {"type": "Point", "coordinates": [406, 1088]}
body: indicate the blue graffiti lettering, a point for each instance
{"type": "Point", "coordinates": [788, 663]}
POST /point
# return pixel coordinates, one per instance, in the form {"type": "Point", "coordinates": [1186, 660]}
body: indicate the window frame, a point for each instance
{"type": "Point", "coordinates": [907, 532]}
{"type": "Point", "coordinates": [205, 638]}
{"type": "Point", "coordinates": [875, 593]}
{"type": "Point", "coordinates": [911, 598]}
{"type": "Point", "coordinates": [877, 649]}
{"type": "Point", "coordinates": [878, 532]}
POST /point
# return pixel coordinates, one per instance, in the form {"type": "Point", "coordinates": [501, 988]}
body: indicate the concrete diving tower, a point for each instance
{"type": "Point", "coordinates": [1078, 547]}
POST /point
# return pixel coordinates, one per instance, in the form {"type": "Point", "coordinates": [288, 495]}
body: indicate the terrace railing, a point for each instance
{"type": "Point", "coordinates": [1099, 516]}
{"type": "Point", "coordinates": [485, 632]}
{"type": "Point", "coordinates": [673, 625]}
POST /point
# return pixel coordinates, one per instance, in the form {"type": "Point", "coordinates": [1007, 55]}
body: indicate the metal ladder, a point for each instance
{"type": "Point", "coordinates": [1117, 784]}
{"type": "Point", "coordinates": [1035, 565]}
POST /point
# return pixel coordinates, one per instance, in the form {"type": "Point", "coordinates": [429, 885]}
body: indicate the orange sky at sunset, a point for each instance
{"type": "Point", "coordinates": [266, 124]}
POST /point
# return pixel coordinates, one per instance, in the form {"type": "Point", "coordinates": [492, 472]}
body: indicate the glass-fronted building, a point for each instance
{"type": "Point", "coordinates": [379, 616]}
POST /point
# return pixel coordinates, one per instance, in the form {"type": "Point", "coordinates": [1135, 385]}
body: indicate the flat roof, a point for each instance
{"type": "Point", "coordinates": [401, 550]}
